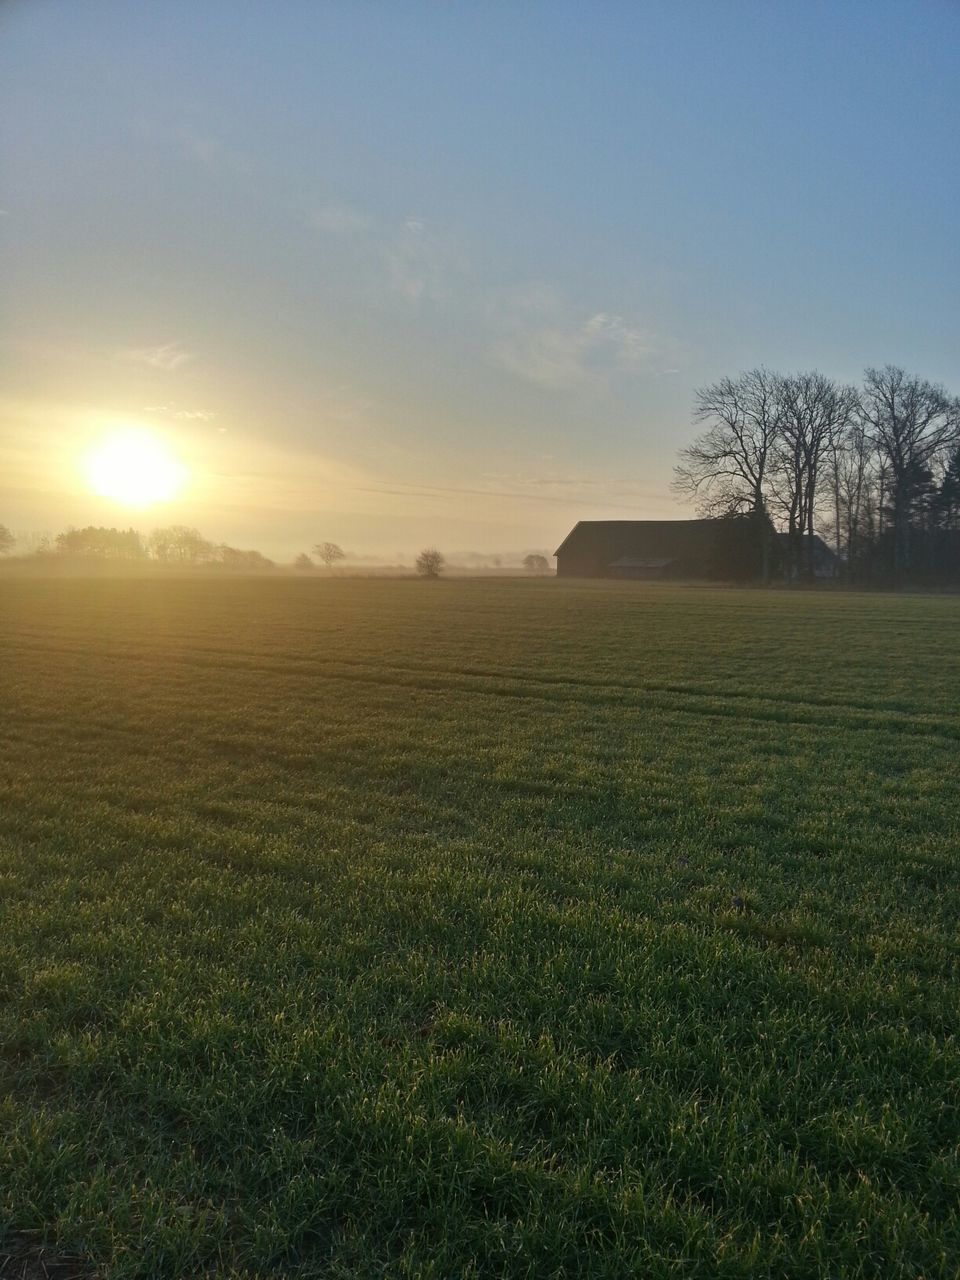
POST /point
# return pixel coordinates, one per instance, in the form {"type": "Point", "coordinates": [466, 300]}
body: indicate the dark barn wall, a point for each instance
{"type": "Point", "coordinates": [571, 565]}
{"type": "Point", "coordinates": [638, 575]}
{"type": "Point", "coordinates": [727, 549]}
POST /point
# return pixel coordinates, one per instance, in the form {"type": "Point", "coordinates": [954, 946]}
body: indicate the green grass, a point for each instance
{"type": "Point", "coordinates": [386, 928]}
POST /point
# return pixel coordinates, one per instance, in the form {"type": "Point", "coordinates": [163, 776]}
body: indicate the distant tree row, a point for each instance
{"type": "Point", "coordinates": [874, 469]}
{"type": "Point", "coordinates": [7, 540]}
{"type": "Point", "coordinates": [175, 545]}
{"type": "Point", "coordinates": [184, 546]}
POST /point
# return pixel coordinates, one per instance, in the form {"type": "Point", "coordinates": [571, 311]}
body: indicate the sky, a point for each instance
{"type": "Point", "coordinates": [398, 274]}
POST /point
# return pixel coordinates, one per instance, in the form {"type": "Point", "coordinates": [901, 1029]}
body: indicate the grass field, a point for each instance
{"type": "Point", "coordinates": [389, 928]}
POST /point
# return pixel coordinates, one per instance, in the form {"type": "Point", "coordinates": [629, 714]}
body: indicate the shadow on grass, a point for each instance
{"type": "Point", "coordinates": [23, 1257]}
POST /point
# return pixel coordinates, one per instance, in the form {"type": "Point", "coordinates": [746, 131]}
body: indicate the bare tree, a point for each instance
{"type": "Point", "coordinates": [948, 496]}
{"type": "Point", "coordinates": [879, 470]}
{"type": "Point", "coordinates": [99, 543]}
{"type": "Point", "coordinates": [180, 544]}
{"type": "Point", "coordinates": [329, 553]}
{"type": "Point", "coordinates": [814, 413]}
{"type": "Point", "coordinates": [726, 468]}
{"type": "Point", "coordinates": [31, 542]}
{"type": "Point", "coordinates": [7, 540]}
{"type": "Point", "coordinates": [430, 563]}
{"type": "Point", "coordinates": [853, 478]}
{"type": "Point", "coordinates": [912, 425]}
{"type": "Point", "coordinates": [236, 558]}
{"type": "Point", "coordinates": [536, 564]}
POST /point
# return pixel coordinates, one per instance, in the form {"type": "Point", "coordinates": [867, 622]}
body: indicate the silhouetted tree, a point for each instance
{"type": "Point", "coordinates": [913, 425]}
{"type": "Point", "coordinates": [329, 553]}
{"type": "Point", "coordinates": [101, 543]}
{"type": "Point", "coordinates": [7, 540]}
{"type": "Point", "coordinates": [233, 558]}
{"type": "Point", "coordinates": [725, 469]}
{"type": "Point", "coordinates": [946, 503]}
{"type": "Point", "coordinates": [430, 563]}
{"type": "Point", "coordinates": [814, 414]}
{"type": "Point", "coordinates": [180, 544]}
{"type": "Point", "coordinates": [536, 564]}
{"type": "Point", "coordinates": [877, 469]}
{"type": "Point", "coordinates": [853, 478]}
{"type": "Point", "coordinates": [303, 561]}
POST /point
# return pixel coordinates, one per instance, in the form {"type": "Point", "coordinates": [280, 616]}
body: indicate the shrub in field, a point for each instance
{"type": "Point", "coordinates": [329, 553]}
{"type": "Point", "coordinates": [430, 563]}
{"type": "Point", "coordinates": [536, 564]}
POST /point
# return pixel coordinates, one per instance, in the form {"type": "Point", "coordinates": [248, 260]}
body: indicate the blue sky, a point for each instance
{"type": "Point", "coordinates": [403, 273]}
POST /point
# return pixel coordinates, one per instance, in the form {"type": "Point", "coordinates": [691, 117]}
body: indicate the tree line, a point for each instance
{"type": "Point", "coordinates": [874, 469]}
{"type": "Point", "coordinates": [183, 546]}
{"type": "Point", "coordinates": [176, 545]}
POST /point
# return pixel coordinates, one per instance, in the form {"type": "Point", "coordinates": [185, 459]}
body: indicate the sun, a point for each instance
{"type": "Point", "coordinates": [133, 467]}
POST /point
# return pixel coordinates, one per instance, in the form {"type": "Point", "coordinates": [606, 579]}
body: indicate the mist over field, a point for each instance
{"type": "Point", "coordinates": [479, 640]}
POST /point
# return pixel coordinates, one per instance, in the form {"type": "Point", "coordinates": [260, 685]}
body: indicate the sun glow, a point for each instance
{"type": "Point", "coordinates": [135, 468]}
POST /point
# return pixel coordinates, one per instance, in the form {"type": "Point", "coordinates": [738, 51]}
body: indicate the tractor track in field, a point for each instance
{"type": "Point", "coordinates": [748, 706]}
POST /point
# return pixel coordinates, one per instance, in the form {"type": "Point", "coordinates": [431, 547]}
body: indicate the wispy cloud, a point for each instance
{"type": "Point", "coordinates": [628, 344]}
{"type": "Point", "coordinates": [421, 262]}
{"type": "Point", "coordinates": [342, 404]}
{"type": "Point", "coordinates": [213, 153]}
{"type": "Point", "coordinates": [543, 341]}
{"type": "Point", "coordinates": [340, 220]}
{"type": "Point", "coordinates": [183, 415]}
{"type": "Point", "coordinates": [168, 356]}
{"type": "Point", "coordinates": [412, 259]}
{"type": "Point", "coordinates": [531, 330]}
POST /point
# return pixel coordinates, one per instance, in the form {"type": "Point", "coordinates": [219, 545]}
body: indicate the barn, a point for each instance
{"type": "Point", "coordinates": [825, 562]}
{"type": "Point", "coordinates": [658, 549]}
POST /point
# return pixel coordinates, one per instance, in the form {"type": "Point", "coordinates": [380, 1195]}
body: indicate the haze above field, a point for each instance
{"type": "Point", "coordinates": [448, 274]}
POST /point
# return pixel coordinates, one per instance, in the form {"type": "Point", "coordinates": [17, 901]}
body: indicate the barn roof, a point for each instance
{"type": "Point", "coordinates": [640, 539]}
